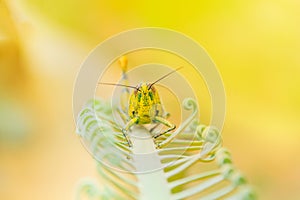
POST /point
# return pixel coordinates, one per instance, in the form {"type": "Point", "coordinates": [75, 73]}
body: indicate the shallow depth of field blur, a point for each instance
{"type": "Point", "coordinates": [255, 45]}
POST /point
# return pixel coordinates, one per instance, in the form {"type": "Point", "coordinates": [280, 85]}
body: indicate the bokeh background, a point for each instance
{"type": "Point", "coordinates": [255, 45]}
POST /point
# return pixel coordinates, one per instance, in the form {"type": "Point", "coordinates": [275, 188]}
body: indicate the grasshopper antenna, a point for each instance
{"type": "Point", "coordinates": [164, 76]}
{"type": "Point", "coordinates": [116, 84]}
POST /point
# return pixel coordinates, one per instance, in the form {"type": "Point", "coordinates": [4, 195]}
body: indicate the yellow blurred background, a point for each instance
{"type": "Point", "coordinates": [255, 45]}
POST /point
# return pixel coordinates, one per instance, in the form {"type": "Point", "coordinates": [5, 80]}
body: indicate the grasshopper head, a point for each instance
{"type": "Point", "coordinates": [143, 103]}
{"type": "Point", "coordinates": [145, 92]}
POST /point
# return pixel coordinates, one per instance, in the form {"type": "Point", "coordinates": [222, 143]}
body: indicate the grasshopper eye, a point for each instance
{"type": "Point", "coordinates": [139, 97]}
{"type": "Point", "coordinates": [151, 95]}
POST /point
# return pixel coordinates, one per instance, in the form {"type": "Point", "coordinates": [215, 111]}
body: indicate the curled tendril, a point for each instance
{"type": "Point", "coordinates": [189, 104]}
{"type": "Point", "coordinates": [208, 133]}
{"type": "Point", "coordinates": [211, 140]}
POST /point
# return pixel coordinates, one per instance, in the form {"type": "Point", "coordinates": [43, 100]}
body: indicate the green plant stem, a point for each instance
{"type": "Point", "coordinates": [150, 170]}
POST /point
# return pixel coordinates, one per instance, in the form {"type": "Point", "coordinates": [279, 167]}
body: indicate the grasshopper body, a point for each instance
{"type": "Point", "coordinates": [144, 105]}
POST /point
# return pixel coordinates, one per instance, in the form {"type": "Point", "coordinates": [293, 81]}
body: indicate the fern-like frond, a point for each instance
{"type": "Point", "coordinates": [191, 164]}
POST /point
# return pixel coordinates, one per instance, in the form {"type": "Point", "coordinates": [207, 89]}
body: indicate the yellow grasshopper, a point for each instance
{"type": "Point", "coordinates": [144, 104]}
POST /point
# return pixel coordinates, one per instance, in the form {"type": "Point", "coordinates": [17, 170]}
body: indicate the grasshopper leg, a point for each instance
{"type": "Point", "coordinates": [122, 114]}
{"type": "Point", "coordinates": [166, 123]}
{"type": "Point", "coordinates": [166, 116]}
{"type": "Point", "coordinates": [126, 129]}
